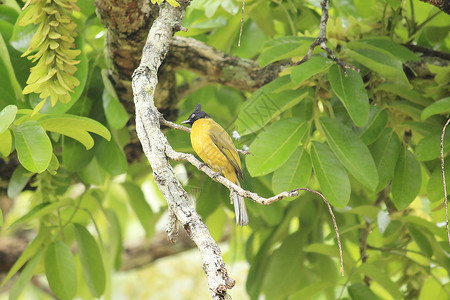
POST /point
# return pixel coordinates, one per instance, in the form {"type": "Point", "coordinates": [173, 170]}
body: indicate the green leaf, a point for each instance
{"type": "Point", "coordinates": [265, 105]}
{"type": "Point", "coordinates": [311, 290]}
{"type": "Point", "coordinates": [22, 35]}
{"type": "Point", "coordinates": [33, 146]}
{"type": "Point", "coordinates": [421, 240]}
{"type": "Point", "coordinates": [313, 66]}
{"type": "Point", "coordinates": [8, 70]}
{"type": "Point", "coordinates": [8, 14]}
{"type": "Point", "coordinates": [60, 270]}
{"type": "Point", "coordinates": [407, 179]}
{"type": "Point", "coordinates": [283, 47]}
{"type": "Point", "coordinates": [25, 276]}
{"type": "Point", "coordinates": [432, 289]}
{"type": "Point", "coordinates": [351, 151]}
{"type": "Point", "coordinates": [430, 146]}
{"type": "Point", "coordinates": [411, 109]}
{"type": "Point", "coordinates": [6, 144]}
{"type": "Point", "coordinates": [330, 173]}
{"type": "Point", "coordinates": [93, 173]}
{"type": "Point", "coordinates": [115, 113]}
{"type": "Point", "coordinates": [350, 90]}
{"type": "Point", "coordinates": [275, 145]}
{"type": "Point", "coordinates": [75, 127]}
{"type": "Point", "coordinates": [295, 172]}
{"type": "Point", "coordinates": [31, 250]}
{"type": "Point", "coordinates": [86, 7]}
{"type": "Point", "coordinates": [425, 224]}
{"type": "Point", "coordinates": [91, 260]}
{"type": "Point", "coordinates": [412, 95]}
{"type": "Point", "coordinates": [1, 217]}
{"type": "Point", "coordinates": [380, 277]}
{"type": "Point", "coordinates": [318, 248]}
{"type": "Point", "coordinates": [75, 156]}
{"type": "Point", "coordinates": [41, 210]}
{"type": "Point", "coordinates": [361, 291]}
{"type": "Point", "coordinates": [439, 107]}
{"type": "Point", "coordinates": [365, 211]}
{"type": "Point", "coordinates": [18, 181]}
{"type": "Point", "coordinates": [7, 116]}
{"type": "Point", "coordinates": [435, 186]}
{"type": "Point", "coordinates": [385, 152]}
{"type": "Point", "coordinates": [54, 165]}
{"type": "Point", "coordinates": [111, 157]}
{"type": "Point", "coordinates": [385, 45]}
{"type": "Point", "coordinates": [386, 65]}
{"type": "Point", "coordinates": [140, 207]}
{"type": "Point", "coordinates": [285, 268]}
{"type": "Point", "coordinates": [378, 119]}
{"type": "Point", "coordinates": [115, 236]}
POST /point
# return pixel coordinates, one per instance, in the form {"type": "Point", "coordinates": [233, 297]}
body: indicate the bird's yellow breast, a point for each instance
{"type": "Point", "coordinates": [204, 146]}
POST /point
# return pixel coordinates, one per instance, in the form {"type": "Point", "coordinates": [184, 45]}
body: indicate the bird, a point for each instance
{"type": "Point", "coordinates": [214, 146]}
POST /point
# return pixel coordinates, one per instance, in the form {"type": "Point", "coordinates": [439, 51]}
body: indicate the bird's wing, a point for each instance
{"type": "Point", "coordinates": [223, 141]}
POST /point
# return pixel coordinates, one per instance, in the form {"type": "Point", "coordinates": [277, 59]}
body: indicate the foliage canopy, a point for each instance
{"type": "Point", "coordinates": [368, 140]}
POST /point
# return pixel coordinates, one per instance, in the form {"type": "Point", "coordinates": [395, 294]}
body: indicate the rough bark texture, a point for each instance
{"type": "Point", "coordinates": [155, 145]}
{"type": "Point", "coordinates": [219, 67]}
{"type": "Point", "coordinates": [128, 22]}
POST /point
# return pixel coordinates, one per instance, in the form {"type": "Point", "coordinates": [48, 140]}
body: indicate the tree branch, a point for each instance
{"type": "Point", "coordinates": [321, 41]}
{"type": "Point", "coordinates": [427, 51]}
{"type": "Point", "coordinates": [443, 180]}
{"type": "Point", "coordinates": [155, 145]}
{"type": "Point", "coordinates": [219, 67]}
{"type": "Point", "coordinates": [178, 156]}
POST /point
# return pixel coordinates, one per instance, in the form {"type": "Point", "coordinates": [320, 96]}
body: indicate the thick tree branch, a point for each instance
{"type": "Point", "coordinates": [219, 67]}
{"type": "Point", "coordinates": [127, 23]}
{"type": "Point", "coordinates": [155, 145]}
{"type": "Point", "coordinates": [427, 51]}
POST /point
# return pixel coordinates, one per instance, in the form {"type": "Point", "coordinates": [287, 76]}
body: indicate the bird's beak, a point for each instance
{"type": "Point", "coordinates": [185, 122]}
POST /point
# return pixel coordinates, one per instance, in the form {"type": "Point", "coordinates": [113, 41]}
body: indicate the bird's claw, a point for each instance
{"type": "Point", "coordinates": [202, 165]}
{"type": "Point", "coordinates": [216, 174]}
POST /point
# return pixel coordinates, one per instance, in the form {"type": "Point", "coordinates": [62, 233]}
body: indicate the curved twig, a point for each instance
{"type": "Point", "coordinates": [443, 180]}
{"type": "Point", "coordinates": [178, 156]}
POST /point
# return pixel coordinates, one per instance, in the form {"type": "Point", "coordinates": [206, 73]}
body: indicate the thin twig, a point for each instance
{"type": "Point", "coordinates": [178, 156]}
{"type": "Point", "coordinates": [188, 130]}
{"type": "Point", "coordinates": [443, 179]}
{"type": "Point", "coordinates": [242, 23]}
{"type": "Point", "coordinates": [245, 193]}
{"type": "Point", "coordinates": [321, 41]}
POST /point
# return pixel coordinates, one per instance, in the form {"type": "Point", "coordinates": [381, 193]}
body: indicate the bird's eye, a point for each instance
{"type": "Point", "coordinates": [192, 116]}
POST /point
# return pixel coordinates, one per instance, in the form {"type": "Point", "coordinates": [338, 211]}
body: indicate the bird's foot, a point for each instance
{"type": "Point", "coordinates": [216, 174]}
{"type": "Point", "coordinates": [202, 165]}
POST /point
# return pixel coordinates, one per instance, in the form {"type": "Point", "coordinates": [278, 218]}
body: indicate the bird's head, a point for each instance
{"type": "Point", "coordinates": [197, 114]}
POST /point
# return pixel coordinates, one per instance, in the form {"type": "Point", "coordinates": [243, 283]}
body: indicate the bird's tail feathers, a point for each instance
{"type": "Point", "coordinates": [240, 209]}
